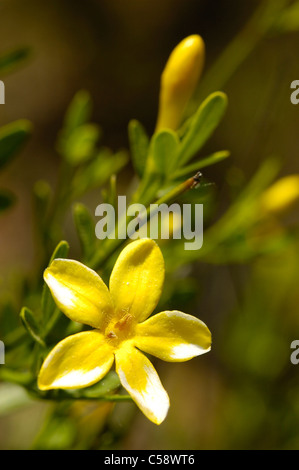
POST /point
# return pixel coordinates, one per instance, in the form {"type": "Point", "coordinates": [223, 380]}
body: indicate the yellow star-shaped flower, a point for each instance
{"type": "Point", "coordinates": [121, 327]}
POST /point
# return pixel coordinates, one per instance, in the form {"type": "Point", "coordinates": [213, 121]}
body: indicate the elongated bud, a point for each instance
{"type": "Point", "coordinates": [281, 196]}
{"type": "Point", "coordinates": [178, 81]}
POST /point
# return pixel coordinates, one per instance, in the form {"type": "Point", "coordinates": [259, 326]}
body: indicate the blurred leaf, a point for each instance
{"type": "Point", "coordinates": [12, 397]}
{"type": "Point", "coordinates": [80, 145]}
{"type": "Point", "coordinates": [207, 161]}
{"type": "Point", "coordinates": [164, 149]}
{"type": "Point", "coordinates": [78, 112]}
{"type": "Point", "coordinates": [12, 59]}
{"type": "Point", "coordinates": [109, 195]}
{"type": "Point", "coordinates": [58, 432]}
{"type": "Point", "coordinates": [41, 198]}
{"type": "Point", "coordinates": [7, 199]}
{"type": "Point", "coordinates": [99, 170]}
{"type": "Point", "coordinates": [85, 228]}
{"type": "Point", "coordinates": [243, 213]}
{"type": "Point", "coordinates": [139, 144]}
{"type": "Point", "coordinates": [9, 318]}
{"type": "Point", "coordinates": [31, 325]}
{"type": "Point", "coordinates": [288, 20]}
{"type": "Point", "coordinates": [78, 137]}
{"type": "Point", "coordinates": [12, 137]}
{"type": "Point", "coordinates": [47, 303]}
{"type": "Point", "coordinates": [203, 124]}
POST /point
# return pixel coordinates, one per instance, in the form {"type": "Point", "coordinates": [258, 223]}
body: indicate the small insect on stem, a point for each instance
{"type": "Point", "coordinates": [197, 180]}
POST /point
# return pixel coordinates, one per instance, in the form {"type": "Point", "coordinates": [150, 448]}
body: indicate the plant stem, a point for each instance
{"type": "Point", "coordinates": [100, 258]}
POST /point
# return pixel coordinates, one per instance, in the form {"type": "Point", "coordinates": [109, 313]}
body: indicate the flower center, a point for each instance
{"type": "Point", "coordinates": [123, 329]}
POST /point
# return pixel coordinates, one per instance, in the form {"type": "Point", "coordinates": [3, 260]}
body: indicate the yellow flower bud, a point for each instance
{"type": "Point", "coordinates": [178, 81]}
{"type": "Point", "coordinates": [281, 196]}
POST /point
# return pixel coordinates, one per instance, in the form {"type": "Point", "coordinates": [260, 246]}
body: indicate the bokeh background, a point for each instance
{"type": "Point", "coordinates": [245, 392]}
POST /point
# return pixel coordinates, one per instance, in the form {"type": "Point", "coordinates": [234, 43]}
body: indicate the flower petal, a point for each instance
{"type": "Point", "coordinates": [140, 379]}
{"type": "Point", "coordinates": [137, 279]}
{"type": "Point", "coordinates": [77, 361]}
{"type": "Point", "coordinates": [79, 292]}
{"type": "Point", "coordinates": [173, 336]}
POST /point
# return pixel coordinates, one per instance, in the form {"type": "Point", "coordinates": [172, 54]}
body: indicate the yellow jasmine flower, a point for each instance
{"type": "Point", "coordinates": [121, 327]}
{"type": "Point", "coordinates": [179, 80]}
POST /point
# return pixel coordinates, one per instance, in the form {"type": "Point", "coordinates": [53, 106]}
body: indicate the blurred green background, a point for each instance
{"type": "Point", "coordinates": [244, 394]}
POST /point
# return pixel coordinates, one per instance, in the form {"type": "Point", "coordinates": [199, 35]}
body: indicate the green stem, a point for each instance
{"type": "Point", "coordinates": [112, 245]}
{"type": "Point", "coordinates": [64, 397]}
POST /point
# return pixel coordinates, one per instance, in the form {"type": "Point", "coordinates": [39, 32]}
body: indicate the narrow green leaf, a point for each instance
{"type": "Point", "coordinates": [31, 325]}
{"type": "Point", "coordinates": [79, 111]}
{"type": "Point", "coordinates": [204, 122]}
{"type": "Point", "coordinates": [139, 145]}
{"type": "Point", "coordinates": [111, 195]}
{"type": "Point", "coordinates": [164, 149]}
{"type": "Point", "coordinates": [12, 138]}
{"type": "Point", "coordinates": [7, 199]}
{"type": "Point", "coordinates": [105, 386]}
{"type": "Point", "coordinates": [242, 212]}
{"type": "Point", "coordinates": [61, 251]}
{"type": "Point", "coordinates": [9, 317]}
{"type": "Point", "coordinates": [99, 170]}
{"type": "Point", "coordinates": [207, 161]}
{"type": "Point", "coordinates": [85, 226]}
{"type": "Point", "coordinates": [12, 59]}
{"type": "Point", "coordinates": [41, 198]}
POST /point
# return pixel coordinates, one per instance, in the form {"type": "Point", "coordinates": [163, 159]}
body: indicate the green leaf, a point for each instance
{"type": "Point", "coordinates": [99, 170]}
{"type": "Point", "coordinates": [78, 112]}
{"type": "Point", "coordinates": [80, 145]}
{"type": "Point", "coordinates": [102, 390]}
{"type": "Point", "coordinates": [164, 146]}
{"type": "Point", "coordinates": [104, 387]}
{"type": "Point", "coordinates": [243, 212]}
{"type": "Point", "coordinates": [7, 199]}
{"type": "Point", "coordinates": [12, 138]}
{"type": "Point", "coordinates": [9, 317]}
{"type": "Point", "coordinates": [139, 145]}
{"type": "Point", "coordinates": [41, 198]}
{"type": "Point", "coordinates": [85, 226]}
{"type": "Point", "coordinates": [47, 303]}
{"type": "Point", "coordinates": [164, 149]}
{"type": "Point", "coordinates": [31, 325]}
{"type": "Point", "coordinates": [288, 20]}
{"type": "Point", "coordinates": [203, 124]}
{"type": "Point", "coordinates": [77, 139]}
{"type": "Point", "coordinates": [12, 59]}
{"type": "Point", "coordinates": [58, 432]}
{"type": "Point", "coordinates": [207, 161]}
{"type": "Point", "coordinates": [61, 251]}
{"type": "Point", "coordinates": [109, 195]}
